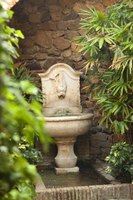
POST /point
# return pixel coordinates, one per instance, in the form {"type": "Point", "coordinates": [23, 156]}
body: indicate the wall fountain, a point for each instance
{"type": "Point", "coordinates": [63, 113]}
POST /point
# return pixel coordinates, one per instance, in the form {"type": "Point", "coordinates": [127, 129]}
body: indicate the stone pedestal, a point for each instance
{"type": "Point", "coordinates": [66, 159]}
{"type": "Point", "coordinates": [66, 170]}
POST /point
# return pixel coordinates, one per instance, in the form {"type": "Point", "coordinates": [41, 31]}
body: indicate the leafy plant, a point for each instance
{"type": "Point", "coordinates": [21, 72]}
{"type": "Point", "coordinates": [108, 43]}
{"type": "Point", "coordinates": [120, 160]}
{"type": "Point", "coordinates": [30, 153]}
{"type": "Point", "coordinates": [18, 119]}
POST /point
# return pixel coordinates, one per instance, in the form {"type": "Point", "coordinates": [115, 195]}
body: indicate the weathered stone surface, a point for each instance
{"type": "Point", "coordinates": [56, 13]}
{"type": "Point", "coordinates": [53, 52]}
{"type": "Point", "coordinates": [27, 42]}
{"type": "Point", "coordinates": [58, 34]}
{"type": "Point", "coordinates": [27, 29]}
{"type": "Point", "coordinates": [76, 57]}
{"type": "Point", "coordinates": [51, 2]}
{"type": "Point", "coordinates": [108, 2]}
{"type": "Point", "coordinates": [31, 50]}
{"type": "Point", "coordinates": [74, 46]}
{"type": "Point", "coordinates": [47, 26]}
{"type": "Point", "coordinates": [34, 65]}
{"type": "Point", "coordinates": [61, 43]}
{"type": "Point", "coordinates": [79, 66]}
{"type": "Point", "coordinates": [37, 3]}
{"type": "Point", "coordinates": [71, 35]}
{"type": "Point", "coordinates": [78, 6]}
{"type": "Point", "coordinates": [67, 53]}
{"type": "Point", "coordinates": [41, 56]}
{"type": "Point", "coordinates": [66, 11]}
{"type": "Point", "coordinates": [46, 15]}
{"type": "Point", "coordinates": [89, 104]}
{"type": "Point", "coordinates": [62, 25]}
{"type": "Point", "coordinates": [65, 3]}
{"type": "Point", "coordinates": [66, 170]}
{"type": "Point", "coordinates": [49, 62]}
{"type": "Point", "coordinates": [35, 17]}
{"type": "Point", "coordinates": [43, 39]}
{"type": "Point", "coordinates": [73, 24]}
{"type": "Point", "coordinates": [30, 9]}
{"type": "Point", "coordinates": [100, 7]}
{"type": "Point", "coordinates": [71, 16]}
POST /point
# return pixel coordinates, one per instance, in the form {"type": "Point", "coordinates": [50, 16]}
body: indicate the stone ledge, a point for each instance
{"type": "Point", "coordinates": [100, 167]}
{"type": "Point", "coordinates": [40, 187]}
{"type": "Point", "coordinates": [98, 192]}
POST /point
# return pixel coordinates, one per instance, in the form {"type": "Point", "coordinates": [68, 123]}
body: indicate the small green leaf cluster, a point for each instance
{"type": "Point", "coordinates": [18, 119]}
{"type": "Point", "coordinates": [107, 43]}
{"type": "Point", "coordinates": [30, 153]}
{"type": "Point", "coordinates": [22, 74]}
{"type": "Point", "coordinates": [120, 159]}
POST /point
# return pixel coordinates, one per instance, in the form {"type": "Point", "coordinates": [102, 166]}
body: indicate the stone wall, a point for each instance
{"type": "Point", "coordinates": [49, 27]}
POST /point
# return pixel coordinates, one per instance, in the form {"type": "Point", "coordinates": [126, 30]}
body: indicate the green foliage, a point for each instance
{"type": "Point", "coordinates": [18, 119]}
{"type": "Point", "coordinates": [22, 73]}
{"type": "Point", "coordinates": [108, 43]}
{"type": "Point", "coordinates": [120, 159]}
{"type": "Point", "coordinates": [31, 154]}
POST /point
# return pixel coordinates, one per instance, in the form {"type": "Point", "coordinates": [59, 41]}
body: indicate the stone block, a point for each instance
{"type": "Point", "coordinates": [108, 2]}
{"type": "Point", "coordinates": [35, 17]}
{"type": "Point", "coordinates": [31, 50]}
{"type": "Point", "coordinates": [55, 12]}
{"type": "Point", "coordinates": [43, 39]}
{"type": "Point", "coordinates": [61, 43]}
{"type": "Point", "coordinates": [74, 46]}
{"type": "Point", "coordinates": [53, 52]}
{"type": "Point", "coordinates": [27, 42]}
{"type": "Point", "coordinates": [45, 15]}
{"type": "Point", "coordinates": [57, 34]}
{"type": "Point", "coordinates": [66, 11]}
{"type": "Point", "coordinates": [76, 57]}
{"type": "Point", "coordinates": [78, 6]}
{"type": "Point", "coordinates": [33, 65]}
{"type": "Point", "coordinates": [67, 53]}
{"type": "Point", "coordinates": [73, 24]}
{"type": "Point", "coordinates": [49, 62]}
{"type": "Point", "coordinates": [71, 16]}
{"type": "Point", "coordinates": [62, 25]}
{"type": "Point", "coordinates": [47, 26]}
{"type": "Point", "coordinates": [41, 56]}
{"type": "Point", "coordinates": [66, 170]}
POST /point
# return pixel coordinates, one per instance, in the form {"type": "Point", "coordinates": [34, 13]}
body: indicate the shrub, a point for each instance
{"type": "Point", "coordinates": [31, 154]}
{"type": "Point", "coordinates": [120, 160]}
{"type": "Point", "coordinates": [108, 43]}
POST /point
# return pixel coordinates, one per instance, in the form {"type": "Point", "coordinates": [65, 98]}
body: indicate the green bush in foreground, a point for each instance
{"type": "Point", "coordinates": [18, 119]}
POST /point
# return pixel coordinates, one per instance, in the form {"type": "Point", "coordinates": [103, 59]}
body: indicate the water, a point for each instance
{"type": "Point", "coordinates": [87, 176]}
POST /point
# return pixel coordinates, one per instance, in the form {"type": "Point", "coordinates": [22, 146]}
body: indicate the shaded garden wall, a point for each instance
{"type": "Point", "coordinates": [49, 27]}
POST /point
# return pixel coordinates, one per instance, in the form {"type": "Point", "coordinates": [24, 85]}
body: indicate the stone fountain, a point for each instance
{"type": "Point", "coordinates": [64, 117]}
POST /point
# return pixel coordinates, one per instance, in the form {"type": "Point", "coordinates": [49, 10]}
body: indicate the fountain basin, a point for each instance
{"type": "Point", "coordinates": [68, 126]}
{"type": "Point", "coordinates": [65, 129]}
